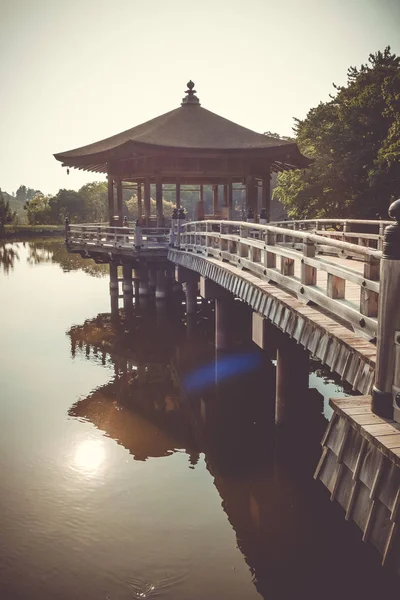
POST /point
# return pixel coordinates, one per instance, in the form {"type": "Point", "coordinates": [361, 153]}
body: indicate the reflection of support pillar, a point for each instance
{"type": "Point", "coordinates": [114, 304]}
{"type": "Point", "coordinates": [191, 289]}
{"type": "Point", "coordinates": [136, 284]}
{"type": "Point", "coordinates": [152, 280]}
{"type": "Point", "coordinates": [161, 288]}
{"type": "Point", "coordinates": [143, 281]}
{"type": "Point", "coordinates": [292, 375]}
{"type": "Point", "coordinates": [127, 287]}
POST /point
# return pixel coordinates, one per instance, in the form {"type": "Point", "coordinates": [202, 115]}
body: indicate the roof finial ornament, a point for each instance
{"type": "Point", "coordinates": [190, 98]}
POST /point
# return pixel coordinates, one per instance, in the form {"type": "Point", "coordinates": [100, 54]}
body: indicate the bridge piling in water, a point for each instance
{"type": "Point", "coordinates": [292, 378]}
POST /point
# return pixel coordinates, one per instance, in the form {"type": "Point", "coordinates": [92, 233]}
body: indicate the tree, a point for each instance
{"type": "Point", "coordinates": [95, 201]}
{"type": "Point", "coordinates": [6, 214]}
{"type": "Point", "coordinates": [354, 141]}
{"type": "Point", "coordinates": [38, 210]}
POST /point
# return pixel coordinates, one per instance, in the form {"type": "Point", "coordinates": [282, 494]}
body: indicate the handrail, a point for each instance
{"type": "Point", "coordinates": [354, 248]}
{"type": "Point", "coordinates": [302, 271]}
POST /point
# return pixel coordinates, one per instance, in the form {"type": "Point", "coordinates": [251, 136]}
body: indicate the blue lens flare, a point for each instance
{"type": "Point", "coordinates": [225, 368]}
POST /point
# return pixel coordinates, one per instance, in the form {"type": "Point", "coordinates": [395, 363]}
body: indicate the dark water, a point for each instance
{"type": "Point", "coordinates": [134, 465]}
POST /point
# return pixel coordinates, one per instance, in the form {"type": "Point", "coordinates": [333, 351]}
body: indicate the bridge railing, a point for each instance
{"type": "Point", "coordinates": [363, 232]}
{"type": "Point", "coordinates": [128, 237]}
{"type": "Point", "coordinates": [310, 268]}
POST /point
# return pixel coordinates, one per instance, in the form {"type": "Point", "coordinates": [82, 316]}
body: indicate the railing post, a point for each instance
{"type": "Point", "coordinates": [243, 248]}
{"type": "Point", "coordinates": [308, 273]}
{"type": "Point", "coordinates": [269, 257]}
{"type": "Point", "coordinates": [368, 298]}
{"type": "Point", "coordinates": [386, 391]}
{"type": "Point", "coordinates": [138, 236]}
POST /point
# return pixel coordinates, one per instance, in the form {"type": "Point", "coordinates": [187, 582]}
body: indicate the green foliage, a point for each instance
{"type": "Point", "coordinates": [132, 207]}
{"type": "Point", "coordinates": [354, 141]}
{"type": "Point", "coordinates": [6, 214]}
{"type": "Point", "coordinates": [95, 201]}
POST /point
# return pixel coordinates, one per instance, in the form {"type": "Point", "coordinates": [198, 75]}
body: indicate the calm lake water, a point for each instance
{"type": "Point", "coordinates": [134, 465]}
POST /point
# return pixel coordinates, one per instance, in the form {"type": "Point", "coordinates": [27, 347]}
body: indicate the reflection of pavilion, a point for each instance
{"type": "Point", "coordinates": [139, 408]}
{"type": "Point", "coordinates": [147, 410]}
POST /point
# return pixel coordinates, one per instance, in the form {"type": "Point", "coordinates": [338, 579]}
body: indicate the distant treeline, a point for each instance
{"type": "Point", "coordinates": [90, 203]}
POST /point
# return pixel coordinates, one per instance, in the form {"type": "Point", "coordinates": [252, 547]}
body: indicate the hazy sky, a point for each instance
{"type": "Point", "coordinates": [75, 72]}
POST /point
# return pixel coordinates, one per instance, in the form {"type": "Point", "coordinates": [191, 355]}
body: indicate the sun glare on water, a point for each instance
{"type": "Point", "coordinates": [89, 455]}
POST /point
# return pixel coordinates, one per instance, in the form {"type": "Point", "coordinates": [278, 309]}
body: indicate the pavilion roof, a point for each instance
{"type": "Point", "coordinates": [188, 128]}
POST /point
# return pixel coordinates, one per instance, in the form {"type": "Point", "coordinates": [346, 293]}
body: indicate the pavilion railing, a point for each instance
{"type": "Point", "coordinates": [312, 268]}
{"type": "Point", "coordinates": [128, 237]}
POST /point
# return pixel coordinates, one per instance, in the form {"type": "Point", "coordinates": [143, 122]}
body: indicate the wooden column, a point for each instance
{"type": "Point", "coordinates": [251, 194]}
{"type": "Point", "coordinates": [147, 201]}
{"type": "Point", "coordinates": [159, 204]}
{"type": "Point", "coordinates": [230, 199]}
{"type": "Point", "coordinates": [178, 193]}
{"type": "Point", "coordinates": [215, 199]}
{"type": "Point", "coordinates": [139, 202]}
{"type": "Point", "coordinates": [119, 202]}
{"type": "Point", "coordinates": [201, 211]}
{"type": "Point", "coordinates": [110, 199]}
{"type": "Point", "coordinates": [266, 196]}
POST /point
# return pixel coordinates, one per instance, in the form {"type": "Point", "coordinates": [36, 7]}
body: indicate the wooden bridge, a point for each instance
{"type": "Point", "coordinates": [331, 288]}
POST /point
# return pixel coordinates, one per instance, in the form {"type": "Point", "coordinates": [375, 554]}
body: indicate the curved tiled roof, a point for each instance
{"type": "Point", "coordinates": [189, 127]}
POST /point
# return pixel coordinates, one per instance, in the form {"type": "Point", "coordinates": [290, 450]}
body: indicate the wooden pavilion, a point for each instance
{"type": "Point", "coordinates": [188, 145]}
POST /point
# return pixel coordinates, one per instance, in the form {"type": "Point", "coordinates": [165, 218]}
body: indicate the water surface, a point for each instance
{"type": "Point", "coordinates": [133, 465]}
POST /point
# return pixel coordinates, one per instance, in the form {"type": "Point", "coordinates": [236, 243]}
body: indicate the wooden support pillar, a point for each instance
{"type": "Point", "coordinates": [223, 322]}
{"type": "Point", "coordinates": [178, 193]}
{"type": "Point", "coordinates": [251, 195]}
{"type": "Point", "coordinates": [113, 276]}
{"type": "Point", "coordinates": [139, 202]}
{"type": "Point", "coordinates": [386, 390]}
{"type": "Point", "coordinates": [191, 289]}
{"type": "Point", "coordinates": [230, 199]}
{"type": "Point", "coordinates": [292, 376]}
{"type": "Point", "coordinates": [215, 200]}
{"type": "Point", "coordinates": [159, 203]}
{"type": "Point", "coordinates": [266, 198]}
{"type": "Point", "coordinates": [201, 211]}
{"type": "Point", "coordinates": [110, 199]}
{"type": "Point", "coordinates": [120, 209]}
{"type": "Point", "coordinates": [146, 189]}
